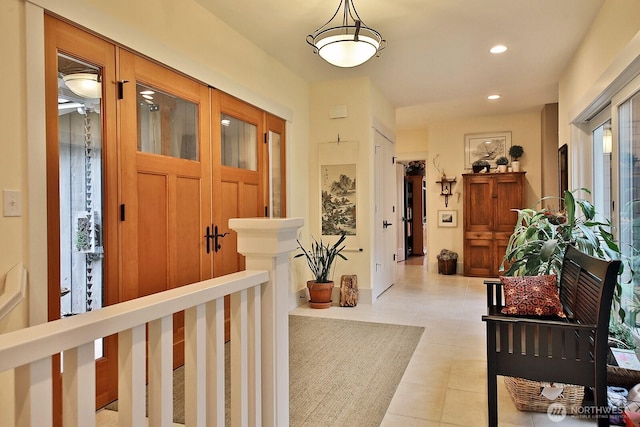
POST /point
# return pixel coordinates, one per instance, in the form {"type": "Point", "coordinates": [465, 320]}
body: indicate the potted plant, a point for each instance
{"type": "Point", "coordinates": [320, 259]}
{"type": "Point", "coordinates": [479, 165]}
{"type": "Point", "coordinates": [502, 163]}
{"type": "Point", "coordinates": [516, 151]}
{"type": "Point", "coordinates": [540, 238]}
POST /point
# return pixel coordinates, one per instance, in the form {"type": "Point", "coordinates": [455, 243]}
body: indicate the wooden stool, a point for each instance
{"type": "Point", "coordinates": [349, 290]}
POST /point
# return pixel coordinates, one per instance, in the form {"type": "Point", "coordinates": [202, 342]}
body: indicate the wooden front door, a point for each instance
{"type": "Point", "coordinates": [82, 240]}
{"type": "Point", "coordinates": [238, 177]}
{"type": "Point", "coordinates": [165, 182]}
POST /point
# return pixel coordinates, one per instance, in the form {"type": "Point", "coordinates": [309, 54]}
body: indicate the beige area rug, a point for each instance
{"type": "Point", "coordinates": [342, 372]}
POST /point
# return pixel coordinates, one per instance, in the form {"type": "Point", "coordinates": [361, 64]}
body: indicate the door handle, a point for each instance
{"type": "Point", "coordinates": [386, 224]}
{"type": "Point", "coordinates": [208, 236]}
{"type": "Point", "coordinates": [217, 246]}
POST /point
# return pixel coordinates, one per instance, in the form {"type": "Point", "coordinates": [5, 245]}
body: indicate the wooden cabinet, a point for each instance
{"type": "Point", "coordinates": [415, 216]}
{"type": "Point", "coordinates": [489, 220]}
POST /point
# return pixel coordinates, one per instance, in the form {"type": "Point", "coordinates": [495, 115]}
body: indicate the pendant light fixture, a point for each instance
{"type": "Point", "coordinates": [86, 85]}
{"type": "Point", "coordinates": [349, 44]}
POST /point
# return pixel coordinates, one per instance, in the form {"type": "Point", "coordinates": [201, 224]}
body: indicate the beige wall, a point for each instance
{"type": "Point", "coordinates": [446, 140]}
{"type": "Point", "coordinates": [365, 108]}
{"type": "Point", "coordinates": [612, 43]}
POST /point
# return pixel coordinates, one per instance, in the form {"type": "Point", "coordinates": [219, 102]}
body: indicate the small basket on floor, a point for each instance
{"type": "Point", "coordinates": [527, 395]}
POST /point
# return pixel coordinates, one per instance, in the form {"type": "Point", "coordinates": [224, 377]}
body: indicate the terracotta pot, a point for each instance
{"type": "Point", "coordinates": [320, 294]}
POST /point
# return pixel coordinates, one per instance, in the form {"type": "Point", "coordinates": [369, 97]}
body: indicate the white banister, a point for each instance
{"type": "Point", "coordinates": [131, 376]}
{"type": "Point", "coordinates": [259, 347]}
{"type": "Point", "coordinates": [161, 372]}
{"type": "Point", "coordinates": [266, 244]}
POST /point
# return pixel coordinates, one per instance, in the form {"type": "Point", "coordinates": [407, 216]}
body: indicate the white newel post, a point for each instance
{"type": "Point", "coordinates": [266, 244]}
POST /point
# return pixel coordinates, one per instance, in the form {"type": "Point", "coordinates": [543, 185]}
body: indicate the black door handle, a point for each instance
{"type": "Point", "coordinates": [386, 224]}
{"type": "Point", "coordinates": [208, 238]}
{"type": "Point", "coordinates": [217, 245]}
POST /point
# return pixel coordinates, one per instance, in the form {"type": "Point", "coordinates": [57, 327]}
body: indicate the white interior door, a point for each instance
{"type": "Point", "coordinates": [385, 224]}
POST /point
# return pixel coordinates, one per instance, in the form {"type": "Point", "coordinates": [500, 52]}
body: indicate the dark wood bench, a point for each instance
{"type": "Point", "coordinates": [572, 351]}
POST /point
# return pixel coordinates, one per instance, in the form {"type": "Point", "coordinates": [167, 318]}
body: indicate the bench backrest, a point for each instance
{"type": "Point", "coordinates": [586, 287]}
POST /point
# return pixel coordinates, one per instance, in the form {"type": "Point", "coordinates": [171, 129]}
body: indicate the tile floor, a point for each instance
{"type": "Point", "coordinates": [445, 381]}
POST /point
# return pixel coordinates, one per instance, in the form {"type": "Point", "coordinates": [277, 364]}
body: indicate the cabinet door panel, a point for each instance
{"type": "Point", "coordinates": [478, 209]}
{"type": "Point", "coordinates": [478, 258]}
{"type": "Point", "coordinates": [509, 196]}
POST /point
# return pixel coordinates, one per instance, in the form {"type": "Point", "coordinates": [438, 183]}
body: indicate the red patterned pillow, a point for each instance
{"type": "Point", "coordinates": [532, 296]}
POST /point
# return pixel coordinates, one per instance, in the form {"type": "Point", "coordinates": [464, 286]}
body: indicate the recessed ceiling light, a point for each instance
{"type": "Point", "coordinates": [500, 48]}
{"type": "Point", "coordinates": [492, 97]}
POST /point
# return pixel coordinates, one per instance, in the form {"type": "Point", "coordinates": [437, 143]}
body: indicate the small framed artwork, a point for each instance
{"type": "Point", "coordinates": [447, 218]}
{"type": "Point", "coordinates": [486, 146]}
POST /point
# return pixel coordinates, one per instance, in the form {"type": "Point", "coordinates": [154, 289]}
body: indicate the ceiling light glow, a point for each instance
{"type": "Point", "coordinates": [493, 97]}
{"type": "Point", "coordinates": [500, 48]}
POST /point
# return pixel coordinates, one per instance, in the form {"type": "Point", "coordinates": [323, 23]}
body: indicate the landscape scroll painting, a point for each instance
{"type": "Point", "coordinates": [338, 184]}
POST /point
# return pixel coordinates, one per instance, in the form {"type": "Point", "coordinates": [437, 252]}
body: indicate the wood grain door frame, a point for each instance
{"type": "Point", "coordinates": [61, 37]}
{"type": "Point", "coordinates": [150, 245]}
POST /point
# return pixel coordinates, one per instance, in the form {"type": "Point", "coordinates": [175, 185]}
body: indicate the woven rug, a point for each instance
{"type": "Point", "coordinates": [341, 373]}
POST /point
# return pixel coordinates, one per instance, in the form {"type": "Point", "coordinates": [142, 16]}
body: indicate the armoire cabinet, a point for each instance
{"type": "Point", "coordinates": [489, 219]}
{"type": "Point", "coordinates": [415, 215]}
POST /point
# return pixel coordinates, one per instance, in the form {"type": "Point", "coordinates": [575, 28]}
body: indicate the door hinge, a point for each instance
{"type": "Point", "coordinates": [393, 160]}
{"type": "Point", "coordinates": [265, 137]}
{"type": "Point", "coordinates": [122, 212]}
{"type": "Point", "coordinates": [266, 211]}
{"type": "Point", "coordinates": [394, 257]}
{"type": "Point", "coordinates": [121, 88]}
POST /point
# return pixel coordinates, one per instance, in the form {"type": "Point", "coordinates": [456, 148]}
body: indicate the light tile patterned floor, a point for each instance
{"type": "Point", "coordinates": [445, 382]}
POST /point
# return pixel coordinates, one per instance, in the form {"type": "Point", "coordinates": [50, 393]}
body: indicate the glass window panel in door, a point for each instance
{"type": "Point", "coordinates": [80, 188]}
{"type": "Point", "coordinates": [275, 174]}
{"type": "Point", "coordinates": [239, 143]}
{"type": "Point", "coordinates": [602, 147]}
{"type": "Point", "coordinates": [167, 124]}
{"type": "Point", "coordinates": [629, 206]}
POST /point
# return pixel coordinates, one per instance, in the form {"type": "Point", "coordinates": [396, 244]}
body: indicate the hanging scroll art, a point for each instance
{"type": "Point", "coordinates": [338, 199]}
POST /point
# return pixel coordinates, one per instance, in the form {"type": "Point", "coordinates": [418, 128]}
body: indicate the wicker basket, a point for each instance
{"type": "Point", "coordinates": [526, 395]}
{"type": "Point", "coordinates": [622, 377]}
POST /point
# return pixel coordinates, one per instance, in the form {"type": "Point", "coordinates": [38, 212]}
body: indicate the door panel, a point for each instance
{"type": "Point", "coordinates": [241, 180]}
{"type": "Point", "coordinates": [384, 218]}
{"type": "Point", "coordinates": [166, 168]}
{"type": "Point", "coordinates": [152, 230]}
{"type": "Point", "coordinates": [87, 164]}
{"type": "Point", "coordinates": [276, 178]}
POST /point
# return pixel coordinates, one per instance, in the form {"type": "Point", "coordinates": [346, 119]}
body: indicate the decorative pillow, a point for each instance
{"type": "Point", "coordinates": [532, 296]}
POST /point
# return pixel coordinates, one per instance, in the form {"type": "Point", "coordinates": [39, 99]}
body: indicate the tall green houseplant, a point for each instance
{"type": "Point", "coordinates": [540, 238]}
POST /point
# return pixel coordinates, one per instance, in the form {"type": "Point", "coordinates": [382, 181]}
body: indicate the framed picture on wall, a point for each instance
{"type": "Point", "coordinates": [563, 173]}
{"type": "Point", "coordinates": [447, 218]}
{"type": "Point", "coordinates": [486, 146]}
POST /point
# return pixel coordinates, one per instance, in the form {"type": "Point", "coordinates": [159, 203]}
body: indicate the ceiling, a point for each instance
{"type": "Point", "coordinates": [437, 64]}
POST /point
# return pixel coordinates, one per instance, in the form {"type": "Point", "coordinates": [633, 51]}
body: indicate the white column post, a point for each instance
{"type": "Point", "coordinates": [266, 244]}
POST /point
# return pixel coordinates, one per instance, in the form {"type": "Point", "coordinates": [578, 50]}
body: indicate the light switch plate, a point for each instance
{"type": "Point", "coordinates": [12, 202]}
